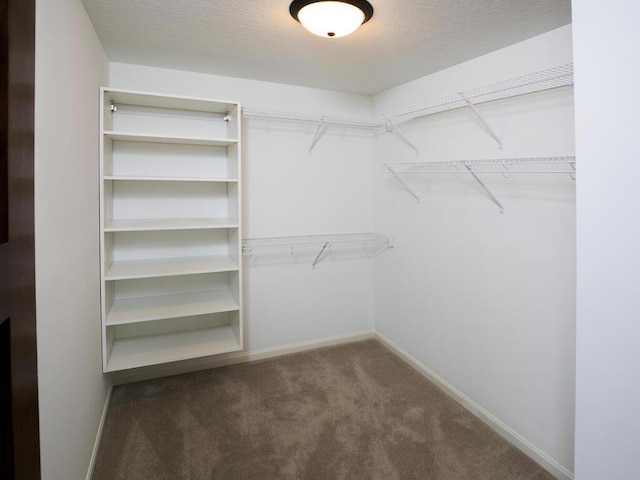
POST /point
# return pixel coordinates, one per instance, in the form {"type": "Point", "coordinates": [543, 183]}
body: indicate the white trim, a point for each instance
{"type": "Point", "coordinates": [537, 455]}
{"type": "Point", "coordinates": [148, 373]}
{"type": "Point", "coordinates": [96, 445]}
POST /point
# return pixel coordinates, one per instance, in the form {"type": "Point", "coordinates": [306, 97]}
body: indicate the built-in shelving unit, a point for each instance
{"type": "Point", "coordinates": [320, 245]}
{"type": "Point", "coordinates": [171, 253]}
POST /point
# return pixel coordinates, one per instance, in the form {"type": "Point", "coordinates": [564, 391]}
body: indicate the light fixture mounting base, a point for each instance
{"type": "Point", "coordinates": [363, 5]}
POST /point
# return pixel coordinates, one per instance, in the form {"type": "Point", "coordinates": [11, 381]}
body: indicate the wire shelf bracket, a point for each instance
{"type": "Point", "coordinates": [413, 194]}
{"type": "Point", "coordinates": [394, 128]}
{"type": "Point", "coordinates": [319, 132]}
{"type": "Point", "coordinates": [486, 189]}
{"type": "Point", "coordinates": [482, 120]}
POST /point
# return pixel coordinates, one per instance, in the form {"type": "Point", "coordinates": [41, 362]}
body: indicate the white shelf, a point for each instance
{"type": "Point", "coordinates": [126, 270]}
{"type": "Point", "coordinates": [504, 166]}
{"type": "Point", "coordinates": [119, 178]}
{"type": "Point", "coordinates": [557, 77]}
{"type": "Point", "coordinates": [157, 224]}
{"type": "Point", "coordinates": [148, 99]}
{"type": "Point", "coordinates": [135, 352]}
{"type": "Point", "coordinates": [310, 118]}
{"type": "Point", "coordinates": [320, 245]}
{"type": "Point", "coordinates": [143, 137]}
{"type": "Point", "coordinates": [170, 231]}
{"type": "Point", "coordinates": [143, 309]}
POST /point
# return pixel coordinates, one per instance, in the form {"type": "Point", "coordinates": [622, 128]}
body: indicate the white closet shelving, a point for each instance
{"type": "Point", "coordinates": [321, 245]}
{"type": "Point", "coordinates": [556, 77]}
{"type": "Point", "coordinates": [268, 114]}
{"type": "Point", "coordinates": [553, 78]}
{"type": "Point", "coordinates": [503, 166]}
{"type": "Point", "coordinates": [171, 253]}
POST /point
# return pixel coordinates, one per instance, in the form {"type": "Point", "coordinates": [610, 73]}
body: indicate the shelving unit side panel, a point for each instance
{"type": "Point", "coordinates": [233, 127]}
{"type": "Point", "coordinates": [233, 161]}
{"type": "Point", "coordinates": [233, 200]}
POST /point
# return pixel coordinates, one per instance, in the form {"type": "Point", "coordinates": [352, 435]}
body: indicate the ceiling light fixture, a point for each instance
{"type": "Point", "coordinates": [331, 18]}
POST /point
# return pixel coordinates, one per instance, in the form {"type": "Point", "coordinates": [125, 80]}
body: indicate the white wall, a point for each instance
{"type": "Point", "coordinates": [287, 191]}
{"type": "Point", "coordinates": [606, 38]}
{"type": "Point", "coordinates": [70, 65]}
{"type": "Point", "coordinates": [487, 301]}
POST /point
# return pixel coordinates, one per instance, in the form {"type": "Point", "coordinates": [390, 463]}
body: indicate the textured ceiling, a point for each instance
{"type": "Point", "coordinates": [258, 39]}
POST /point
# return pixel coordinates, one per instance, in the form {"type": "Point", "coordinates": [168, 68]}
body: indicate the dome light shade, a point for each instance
{"type": "Point", "coordinates": [331, 18]}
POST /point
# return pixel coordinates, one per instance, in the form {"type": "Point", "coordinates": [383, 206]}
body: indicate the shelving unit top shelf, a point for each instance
{"type": "Point", "coordinates": [146, 99]}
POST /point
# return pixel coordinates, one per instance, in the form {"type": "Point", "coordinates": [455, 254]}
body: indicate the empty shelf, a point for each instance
{"type": "Point", "coordinates": [135, 352]}
{"type": "Point", "coordinates": [143, 137]}
{"type": "Point", "coordinates": [144, 309]}
{"type": "Point", "coordinates": [168, 179]}
{"type": "Point", "coordinates": [151, 224]}
{"type": "Point", "coordinates": [163, 267]}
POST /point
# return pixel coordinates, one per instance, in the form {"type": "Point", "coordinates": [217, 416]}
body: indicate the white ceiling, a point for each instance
{"type": "Point", "coordinates": [258, 39]}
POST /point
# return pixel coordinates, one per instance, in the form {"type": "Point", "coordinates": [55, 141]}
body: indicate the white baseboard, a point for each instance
{"type": "Point", "coordinates": [149, 373]}
{"type": "Point", "coordinates": [96, 444]}
{"type": "Point", "coordinates": [537, 455]}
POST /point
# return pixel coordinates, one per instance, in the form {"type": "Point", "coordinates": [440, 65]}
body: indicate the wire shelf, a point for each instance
{"type": "Point", "coordinates": [318, 244]}
{"type": "Point", "coordinates": [557, 77]}
{"type": "Point", "coordinates": [503, 166]}
{"type": "Point", "coordinates": [310, 118]}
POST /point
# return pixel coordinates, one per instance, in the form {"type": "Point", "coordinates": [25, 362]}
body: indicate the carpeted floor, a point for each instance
{"type": "Point", "coordinates": [353, 412]}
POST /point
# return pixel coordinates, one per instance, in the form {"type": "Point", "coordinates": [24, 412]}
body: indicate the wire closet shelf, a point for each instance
{"type": "Point", "coordinates": [321, 245]}
{"type": "Point", "coordinates": [317, 119]}
{"type": "Point", "coordinates": [556, 77]}
{"type": "Point", "coordinates": [504, 166]}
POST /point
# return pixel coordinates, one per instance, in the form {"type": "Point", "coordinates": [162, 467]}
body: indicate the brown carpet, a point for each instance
{"type": "Point", "coordinates": [349, 412]}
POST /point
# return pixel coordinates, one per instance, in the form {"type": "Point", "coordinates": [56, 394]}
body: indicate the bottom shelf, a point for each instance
{"type": "Point", "coordinates": [142, 351]}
